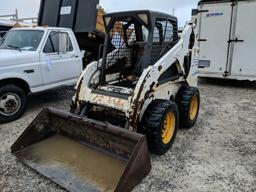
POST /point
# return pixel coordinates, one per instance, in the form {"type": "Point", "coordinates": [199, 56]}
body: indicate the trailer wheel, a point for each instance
{"type": "Point", "coordinates": [160, 124]}
{"type": "Point", "coordinates": [188, 100]}
{"type": "Point", "coordinates": [13, 101]}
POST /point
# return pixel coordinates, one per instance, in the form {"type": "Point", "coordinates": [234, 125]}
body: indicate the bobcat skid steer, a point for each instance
{"type": "Point", "coordinates": [133, 99]}
{"type": "Point", "coordinates": [148, 83]}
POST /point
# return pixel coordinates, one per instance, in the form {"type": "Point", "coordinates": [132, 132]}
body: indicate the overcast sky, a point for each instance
{"type": "Point", "coordinates": [29, 8]}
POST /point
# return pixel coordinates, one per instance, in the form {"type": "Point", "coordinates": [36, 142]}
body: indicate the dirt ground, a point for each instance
{"type": "Point", "coordinates": [218, 154]}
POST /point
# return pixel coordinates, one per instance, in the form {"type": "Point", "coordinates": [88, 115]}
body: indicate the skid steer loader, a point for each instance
{"type": "Point", "coordinates": [131, 100]}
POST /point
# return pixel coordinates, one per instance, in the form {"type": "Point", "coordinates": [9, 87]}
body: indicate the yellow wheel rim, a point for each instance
{"type": "Point", "coordinates": [194, 108]}
{"type": "Point", "coordinates": [168, 127]}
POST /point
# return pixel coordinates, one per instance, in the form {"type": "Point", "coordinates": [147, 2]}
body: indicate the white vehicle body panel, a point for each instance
{"type": "Point", "coordinates": [244, 52]}
{"type": "Point", "coordinates": [227, 40]}
{"type": "Point", "coordinates": [13, 64]}
{"type": "Point", "coordinates": [215, 31]}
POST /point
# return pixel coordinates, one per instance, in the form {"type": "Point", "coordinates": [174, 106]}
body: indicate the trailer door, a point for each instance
{"type": "Point", "coordinates": [244, 57]}
{"type": "Point", "coordinates": [214, 33]}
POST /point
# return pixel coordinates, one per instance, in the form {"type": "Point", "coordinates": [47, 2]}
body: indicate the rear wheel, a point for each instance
{"type": "Point", "coordinates": [160, 124]}
{"type": "Point", "coordinates": [13, 101]}
{"type": "Point", "coordinates": [188, 100]}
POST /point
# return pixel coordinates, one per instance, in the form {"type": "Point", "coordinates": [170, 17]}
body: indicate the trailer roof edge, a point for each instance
{"type": "Point", "coordinates": [216, 1]}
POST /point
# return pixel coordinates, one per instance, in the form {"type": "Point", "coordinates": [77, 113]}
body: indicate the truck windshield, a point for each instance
{"type": "Point", "coordinates": [27, 40]}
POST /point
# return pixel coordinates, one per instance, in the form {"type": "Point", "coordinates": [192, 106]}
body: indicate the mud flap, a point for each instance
{"type": "Point", "coordinates": [81, 154]}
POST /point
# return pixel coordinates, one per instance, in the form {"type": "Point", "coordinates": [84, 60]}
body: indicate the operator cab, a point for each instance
{"type": "Point", "coordinates": [140, 39]}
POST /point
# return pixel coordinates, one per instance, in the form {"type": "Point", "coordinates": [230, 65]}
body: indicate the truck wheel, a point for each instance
{"type": "Point", "coordinates": [188, 100]}
{"type": "Point", "coordinates": [160, 124]}
{"type": "Point", "coordinates": [13, 101]}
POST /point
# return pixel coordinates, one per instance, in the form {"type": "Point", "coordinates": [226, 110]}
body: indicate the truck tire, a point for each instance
{"type": "Point", "coordinates": [160, 124]}
{"type": "Point", "coordinates": [13, 101]}
{"type": "Point", "coordinates": [188, 100]}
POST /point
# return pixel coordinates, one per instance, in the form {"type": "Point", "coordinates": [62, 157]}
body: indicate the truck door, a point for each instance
{"type": "Point", "coordinates": [61, 63]}
{"type": "Point", "coordinates": [245, 40]}
{"type": "Point", "coordinates": [214, 33]}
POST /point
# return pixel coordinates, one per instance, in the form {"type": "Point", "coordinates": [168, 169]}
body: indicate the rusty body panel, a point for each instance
{"type": "Point", "coordinates": [79, 154]}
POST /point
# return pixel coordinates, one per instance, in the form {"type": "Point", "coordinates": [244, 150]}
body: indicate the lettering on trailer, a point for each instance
{"type": "Point", "coordinates": [214, 14]}
{"type": "Point", "coordinates": [65, 10]}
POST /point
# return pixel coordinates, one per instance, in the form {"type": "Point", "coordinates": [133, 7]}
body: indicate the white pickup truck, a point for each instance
{"type": "Point", "coordinates": [35, 59]}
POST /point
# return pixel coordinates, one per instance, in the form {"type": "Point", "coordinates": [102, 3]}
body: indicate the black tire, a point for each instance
{"type": "Point", "coordinates": [22, 101]}
{"type": "Point", "coordinates": [152, 125]}
{"type": "Point", "coordinates": [184, 100]}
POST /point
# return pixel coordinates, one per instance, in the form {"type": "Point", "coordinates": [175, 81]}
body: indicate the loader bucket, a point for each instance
{"type": "Point", "coordinates": [81, 154]}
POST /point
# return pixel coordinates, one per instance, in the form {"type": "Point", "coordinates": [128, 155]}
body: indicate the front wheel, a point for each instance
{"type": "Point", "coordinates": [13, 101]}
{"type": "Point", "coordinates": [160, 124]}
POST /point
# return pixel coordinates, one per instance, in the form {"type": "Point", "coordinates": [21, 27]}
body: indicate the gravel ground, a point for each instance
{"type": "Point", "coordinates": [218, 154]}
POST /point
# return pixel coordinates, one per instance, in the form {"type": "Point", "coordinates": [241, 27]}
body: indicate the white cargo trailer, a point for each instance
{"type": "Point", "coordinates": [227, 38]}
